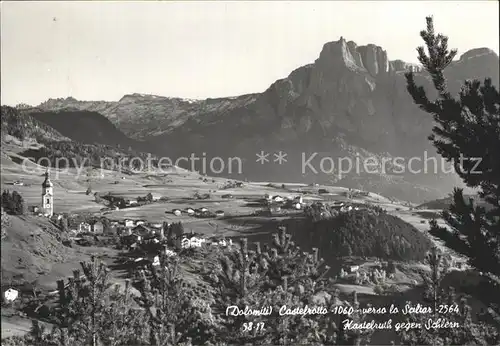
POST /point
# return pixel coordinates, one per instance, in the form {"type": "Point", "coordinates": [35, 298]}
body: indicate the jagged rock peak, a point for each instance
{"type": "Point", "coordinates": [369, 58]}
{"type": "Point", "coordinates": [374, 59]}
{"type": "Point", "coordinates": [149, 97]}
{"type": "Point", "coordinates": [473, 53]}
{"type": "Point", "coordinates": [402, 66]}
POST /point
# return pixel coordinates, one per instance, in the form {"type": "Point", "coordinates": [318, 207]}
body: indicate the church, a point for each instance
{"type": "Point", "coordinates": [47, 196]}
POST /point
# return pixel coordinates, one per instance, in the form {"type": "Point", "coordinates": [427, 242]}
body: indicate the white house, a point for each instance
{"type": "Point", "coordinates": [170, 253]}
{"type": "Point", "coordinates": [354, 268]}
{"type": "Point", "coordinates": [177, 212]}
{"type": "Point", "coordinates": [273, 209]}
{"type": "Point", "coordinates": [203, 209]}
{"type": "Point", "coordinates": [84, 227]}
{"type": "Point", "coordinates": [186, 243]}
{"type": "Point", "coordinates": [140, 222]}
{"type": "Point", "coordinates": [10, 295]}
{"type": "Point", "coordinates": [156, 196]}
{"type": "Point", "coordinates": [190, 211]}
{"type": "Point", "coordinates": [225, 243]}
{"type": "Point", "coordinates": [192, 242]}
{"type": "Point", "coordinates": [345, 209]}
{"type": "Point", "coordinates": [298, 206]}
{"type": "Point", "coordinates": [278, 199]}
{"type": "Point", "coordinates": [129, 223]}
{"type": "Point", "coordinates": [156, 261]}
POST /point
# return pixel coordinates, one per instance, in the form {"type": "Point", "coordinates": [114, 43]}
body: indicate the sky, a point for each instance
{"type": "Point", "coordinates": [103, 50]}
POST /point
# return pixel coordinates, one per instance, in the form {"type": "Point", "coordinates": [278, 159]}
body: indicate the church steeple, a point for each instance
{"type": "Point", "coordinates": [47, 182]}
{"type": "Point", "coordinates": [48, 195]}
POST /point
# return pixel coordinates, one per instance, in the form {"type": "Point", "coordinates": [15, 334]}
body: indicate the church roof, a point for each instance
{"type": "Point", "coordinates": [47, 182]}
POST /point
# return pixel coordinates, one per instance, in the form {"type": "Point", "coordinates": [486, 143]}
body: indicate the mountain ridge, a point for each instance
{"type": "Point", "coordinates": [163, 113]}
{"type": "Point", "coordinates": [350, 97]}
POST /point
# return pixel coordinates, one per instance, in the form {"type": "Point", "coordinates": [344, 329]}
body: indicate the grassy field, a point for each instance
{"type": "Point", "coordinates": [177, 189]}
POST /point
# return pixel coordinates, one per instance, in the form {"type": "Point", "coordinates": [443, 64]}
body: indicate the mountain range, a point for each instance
{"type": "Point", "coordinates": [351, 102]}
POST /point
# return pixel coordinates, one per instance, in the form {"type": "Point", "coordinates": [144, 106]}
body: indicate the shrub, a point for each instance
{"type": "Point", "coordinates": [13, 203]}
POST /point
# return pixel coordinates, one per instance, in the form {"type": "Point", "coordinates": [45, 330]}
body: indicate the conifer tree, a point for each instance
{"type": "Point", "coordinates": [468, 135]}
{"type": "Point", "coordinates": [82, 305]}
{"type": "Point", "coordinates": [123, 322]}
{"type": "Point", "coordinates": [13, 203]}
{"type": "Point", "coordinates": [446, 305]}
{"type": "Point", "coordinates": [173, 315]}
{"type": "Point", "coordinates": [277, 276]}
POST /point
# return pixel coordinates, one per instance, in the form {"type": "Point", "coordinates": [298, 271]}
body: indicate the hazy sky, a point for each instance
{"type": "Point", "coordinates": [103, 50]}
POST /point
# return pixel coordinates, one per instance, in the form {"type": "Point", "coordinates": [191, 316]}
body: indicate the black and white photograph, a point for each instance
{"type": "Point", "coordinates": [182, 173]}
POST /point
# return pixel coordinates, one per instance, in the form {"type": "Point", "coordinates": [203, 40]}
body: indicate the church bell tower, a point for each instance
{"type": "Point", "coordinates": [47, 196]}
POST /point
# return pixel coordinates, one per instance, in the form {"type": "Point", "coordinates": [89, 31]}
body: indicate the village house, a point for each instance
{"type": "Point", "coordinates": [131, 202]}
{"type": "Point", "coordinates": [203, 209]}
{"type": "Point", "coordinates": [278, 199]}
{"type": "Point", "coordinates": [156, 261]}
{"type": "Point", "coordinates": [177, 212]}
{"type": "Point", "coordinates": [274, 209]}
{"type": "Point", "coordinates": [131, 241]}
{"type": "Point", "coordinates": [156, 196]}
{"type": "Point", "coordinates": [345, 209]}
{"type": "Point", "coordinates": [192, 242]}
{"type": "Point", "coordinates": [98, 227]}
{"type": "Point", "coordinates": [142, 230]}
{"type": "Point", "coordinates": [56, 217]}
{"type": "Point", "coordinates": [337, 205]}
{"type": "Point", "coordinates": [159, 232]}
{"type": "Point", "coordinates": [219, 213]}
{"type": "Point", "coordinates": [354, 268]}
{"type": "Point", "coordinates": [139, 222]}
{"type": "Point", "coordinates": [190, 211]}
{"type": "Point", "coordinates": [84, 227]}
{"type": "Point", "coordinates": [10, 295]}
{"type": "Point", "coordinates": [129, 223]}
